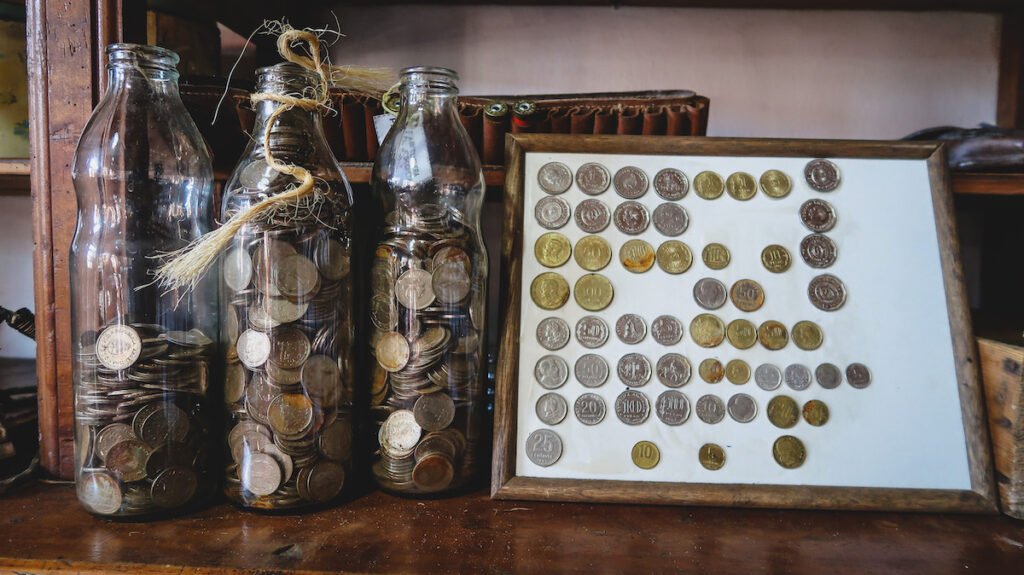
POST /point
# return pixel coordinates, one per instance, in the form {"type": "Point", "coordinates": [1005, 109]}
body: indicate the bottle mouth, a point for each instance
{"type": "Point", "coordinates": [142, 56]}
{"type": "Point", "coordinates": [286, 78]}
{"type": "Point", "coordinates": [430, 79]}
{"type": "Point", "coordinates": [431, 71]}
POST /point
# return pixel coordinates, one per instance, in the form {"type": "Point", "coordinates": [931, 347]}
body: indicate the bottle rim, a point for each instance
{"type": "Point", "coordinates": [152, 56]}
{"type": "Point", "coordinates": [431, 70]}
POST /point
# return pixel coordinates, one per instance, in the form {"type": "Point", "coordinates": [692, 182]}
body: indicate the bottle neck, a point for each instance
{"type": "Point", "coordinates": [429, 91]}
{"type": "Point", "coordinates": [133, 64]}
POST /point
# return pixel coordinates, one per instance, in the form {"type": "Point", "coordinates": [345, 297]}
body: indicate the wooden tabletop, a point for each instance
{"type": "Point", "coordinates": [43, 530]}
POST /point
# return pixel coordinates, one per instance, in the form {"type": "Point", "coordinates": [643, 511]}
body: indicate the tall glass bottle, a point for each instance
{"type": "Point", "coordinates": [142, 355]}
{"type": "Point", "coordinates": [427, 294]}
{"type": "Point", "coordinates": [287, 314]}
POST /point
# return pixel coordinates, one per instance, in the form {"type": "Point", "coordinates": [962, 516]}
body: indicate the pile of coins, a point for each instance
{"type": "Point", "coordinates": [140, 403]}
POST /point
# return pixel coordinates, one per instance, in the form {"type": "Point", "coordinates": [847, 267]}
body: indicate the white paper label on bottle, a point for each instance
{"type": "Point", "coordinates": [412, 152]}
{"type": "Point", "coordinates": [382, 125]}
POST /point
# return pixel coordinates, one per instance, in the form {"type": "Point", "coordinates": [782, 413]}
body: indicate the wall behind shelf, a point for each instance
{"type": "Point", "coordinates": [16, 270]}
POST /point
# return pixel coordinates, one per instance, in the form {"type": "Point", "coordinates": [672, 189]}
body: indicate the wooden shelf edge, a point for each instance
{"type": "Point", "coordinates": [14, 177]}
{"type": "Point", "coordinates": [988, 184]}
{"type": "Point", "coordinates": [359, 173]}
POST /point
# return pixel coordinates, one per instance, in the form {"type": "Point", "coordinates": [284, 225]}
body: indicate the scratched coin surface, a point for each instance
{"type": "Point", "coordinates": [673, 370]}
{"type": "Point", "coordinates": [674, 257]}
{"type": "Point", "coordinates": [549, 291]}
{"type": "Point", "coordinates": [707, 330]}
{"type": "Point", "coordinates": [773, 335]}
{"type": "Point", "coordinates": [711, 456]}
{"type": "Point", "coordinates": [543, 447]}
{"type": "Point", "coordinates": [551, 372]}
{"type": "Point", "coordinates": [816, 412]}
{"type": "Point", "coordinates": [741, 333]}
{"type": "Point", "coordinates": [858, 375]}
{"type": "Point", "coordinates": [807, 335]}
{"type": "Point", "coordinates": [592, 216]}
{"type": "Point", "coordinates": [741, 186]}
{"type": "Point", "coordinates": [593, 292]}
{"type": "Point", "coordinates": [737, 371]}
{"type": "Point", "coordinates": [552, 249]}
{"type": "Point", "coordinates": [634, 370]}
{"type": "Point", "coordinates": [631, 218]}
{"type": "Point", "coordinates": [822, 175]}
{"type": "Point", "coordinates": [828, 375]}
{"type": "Point", "coordinates": [818, 251]}
{"type": "Point", "coordinates": [797, 376]}
{"type": "Point", "coordinates": [552, 333]}
{"type": "Point", "coordinates": [632, 407]}
{"type": "Point", "coordinates": [591, 370]}
{"type": "Point", "coordinates": [768, 377]}
{"type": "Point", "coordinates": [593, 178]}
{"type": "Point", "coordinates": [710, 293]}
{"type": "Point", "coordinates": [716, 256]}
{"type": "Point", "coordinates": [776, 184]}
{"type": "Point", "coordinates": [593, 253]}
{"type": "Point", "coordinates": [711, 370]}
{"type": "Point", "coordinates": [631, 328]}
{"type": "Point", "coordinates": [670, 219]}
{"type": "Point", "coordinates": [637, 256]}
{"type": "Point", "coordinates": [818, 215]}
{"type": "Point", "coordinates": [666, 330]}
{"type": "Point", "coordinates": [826, 292]}
{"type": "Point", "coordinates": [671, 184]}
{"type": "Point", "coordinates": [672, 408]}
{"type": "Point", "coordinates": [552, 212]}
{"type": "Point", "coordinates": [590, 409]}
{"type": "Point", "coordinates": [747, 295]}
{"type": "Point", "coordinates": [776, 258]}
{"type": "Point", "coordinates": [551, 408]}
{"type": "Point", "coordinates": [591, 331]}
{"type": "Point", "coordinates": [554, 177]}
{"type": "Point", "coordinates": [783, 411]}
{"type": "Point", "coordinates": [742, 408]}
{"type": "Point", "coordinates": [789, 452]}
{"type": "Point", "coordinates": [708, 185]}
{"type": "Point", "coordinates": [630, 182]}
{"type": "Point", "coordinates": [710, 409]}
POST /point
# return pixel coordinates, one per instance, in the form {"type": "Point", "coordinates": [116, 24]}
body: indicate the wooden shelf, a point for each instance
{"type": "Point", "coordinates": [14, 177]}
{"type": "Point", "coordinates": [988, 184]}
{"type": "Point", "coordinates": [913, 5]}
{"type": "Point", "coordinates": [359, 173]}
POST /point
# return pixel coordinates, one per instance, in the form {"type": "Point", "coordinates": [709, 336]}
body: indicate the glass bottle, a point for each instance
{"type": "Point", "coordinates": [142, 354]}
{"type": "Point", "coordinates": [287, 312]}
{"type": "Point", "coordinates": [428, 279]}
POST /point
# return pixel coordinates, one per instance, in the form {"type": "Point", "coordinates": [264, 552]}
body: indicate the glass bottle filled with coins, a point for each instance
{"type": "Point", "coordinates": [428, 278]}
{"type": "Point", "coordinates": [287, 314]}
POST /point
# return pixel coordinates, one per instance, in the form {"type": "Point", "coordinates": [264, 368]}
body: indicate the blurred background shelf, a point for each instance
{"type": "Point", "coordinates": [14, 177]}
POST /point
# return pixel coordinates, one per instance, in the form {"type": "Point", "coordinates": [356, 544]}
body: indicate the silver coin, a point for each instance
{"type": "Point", "coordinates": [237, 269]}
{"type": "Point", "coordinates": [822, 175]}
{"type": "Point", "coordinates": [742, 408]}
{"type": "Point", "coordinates": [858, 375]}
{"type": "Point", "coordinates": [450, 282]}
{"type": "Point", "coordinates": [768, 377]}
{"type": "Point", "coordinates": [552, 408]}
{"type": "Point", "coordinates": [415, 289]}
{"type": "Point", "coordinates": [710, 293]}
{"type": "Point", "coordinates": [99, 493]}
{"type": "Point", "coordinates": [670, 219]}
{"type": "Point", "coordinates": [253, 348]}
{"type": "Point", "coordinates": [591, 331]}
{"type": "Point", "coordinates": [818, 251]}
{"type": "Point", "coordinates": [118, 347]}
{"type": "Point", "coordinates": [826, 292]}
{"type": "Point", "coordinates": [590, 409]}
{"type": "Point", "coordinates": [631, 218]}
{"type": "Point", "coordinates": [593, 216]}
{"type": "Point", "coordinates": [630, 182]}
{"type": "Point", "coordinates": [554, 177]}
{"type": "Point", "coordinates": [672, 408]}
{"type": "Point", "coordinates": [543, 447]}
{"type": "Point", "coordinates": [828, 376]}
{"type": "Point", "coordinates": [710, 409]}
{"type": "Point", "coordinates": [593, 179]}
{"type": "Point", "coordinates": [797, 376]}
{"type": "Point", "coordinates": [673, 370]}
{"type": "Point", "coordinates": [551, 372]}
{"type": "Point", "coordinates": [818, 215]}
{"type": "Point", "coordinates": [631, 328]}
{"type": "Point", "coordinates": [671, 184]}
{"type": "Point", "coordinates": [634, 370]}
{"type": "Point", "coordinates": [591, 370]}
{"type": "Point", "coordinates": [632, 407]}
{"type": "Point", "coordinates": [666, 330]}
{"type": "Point", "coordinates": [552, 212]}
{"type": "Point", "coordinates": [258, 176]}
{"type": "Point", "coordinates": [552, 333]}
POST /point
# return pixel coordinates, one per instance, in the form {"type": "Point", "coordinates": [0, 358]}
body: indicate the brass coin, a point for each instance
{"type": "Point", "coordinates": [807, 335]}
{"type": "Point", "coordinates": [776, 258]}
{"type": "Point", "coordinates": [594, 292]}
{"type": "Point", "coordinates": [707, 330]}
{"type": "Point", "coordinates": [552, 249]}
{"type": "Point", "coordinates": [711, 370]}
{"type": "Point", "coordinates": [816, 412]}
{"type": "Point", "coordinates": [783, 411]}
{"type": "Point", "coordinates": [291, 414]}
{"type": "Point", "coordinates": [789, 452]}
{"type": "Point", "coordinates": [737, 371]}
{"type": "Point", "coordinates": [773, 335]}
{"type": "Point", "coordinates": [593, 253]}
{"type": "Point", "coordinates": [741, 186]}
{"type": "Point", "coordinates": [637, 256]}
{"type": "Point", "coordinates": [747, 295]}
{"type": "Point", "coordinates": [674, 257]}
{"type": "Point", "coordinates": [711, 456]}
{"type": "Point", "coordinates": [715, 256]}
{"type": "Point", "coordinates": [776, 184]}
{"type": "Point", "coordinates": [741, 333]}
{"type": "Point", "coordinates": [646, 455]}
{"type": "Point", "coordinates": [708, 185]}
{"type": "Point", "coordinates": [549, 290]}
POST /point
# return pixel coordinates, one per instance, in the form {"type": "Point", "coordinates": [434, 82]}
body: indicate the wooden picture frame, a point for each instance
{"type": "Point", "coordinates": [506, 484]}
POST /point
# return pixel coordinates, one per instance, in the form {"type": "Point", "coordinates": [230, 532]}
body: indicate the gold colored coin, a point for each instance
{"type": "Point", "coordinates": [737, 371]}
{"type": "Point", "coordinates": [646, 455]}
{"type": "Point", "coordinates": [776, 184]}
{"type": "Point", "coordinates": [552, 249]}
{"type": "Point", "coordinates": [593, 253]}
{"type": "Point", "coordinates": [783, 411]}
{"type": "Point", "coordinates": [742, 334]}
{"type": "Point", "coordinates": [816, 412]}
{"type": "Point", "coordinates": [549, 290]}
{"type": "Point", "coordinates": [773, 335]}
{"type": "Point", "coordinates": [707, 330]}
{"type": "Point", "coordinates": [715, 256]}
{"type": "Point", "coordinates": [674, 257]}
{"type": "Point", "coordinates": [708, 185]}
{"type": "Point", "coordinates": [807, 335]}
{"type": "Point", "coordinates": [741, 186]}
{"type": "Point", "coordinates": [776, 258]}
{"type": "Point", "coordinates": [789, 452]}
{"type": "Point", "coordinates": [637, 256]}
{"type": "Point", "coordinates": [711, 370]}
{"type": "Point", "coordinates": [594, 292]}
{"type": "Point", "coordinates": [712, 456]}
{"type": "Point", "coordinates": [747, 295]}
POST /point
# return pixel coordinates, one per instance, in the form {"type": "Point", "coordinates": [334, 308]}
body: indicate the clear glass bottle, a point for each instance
{"type": "Point", "coordinates": [428, 280]}
{"type": "Point", "coordinates": [287, 315]}
{"type": "Point", "coordinates": [142, 355]}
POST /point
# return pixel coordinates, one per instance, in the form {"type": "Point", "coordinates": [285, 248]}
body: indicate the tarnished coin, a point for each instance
{"type": "Point", "coordinates": [818, 215]}
{"type": "Point", "coordinates": [632, 407]}
{"type": "Point", "coordinates": [336, 441]}
{"type": "Point", "coordinates": [711, 456]}
{"type": "Point", "coordinates": [747, 295]}
{"type": "Point", "coordinates": [630, 182]}
{"type": "Point", "coordinates": [671, 184]}
{"type": "Point", "coordinates": [99, 493]}
{"type": "Point", "coordinates": [118, 347]}
{"type": "Point", "coordinates": [384, 312]}
{"type": "Point", "coordinates": [822, 175]}
{"type": "Point", "coordinates": [549, 291]}
{"type": "Point", "coordinates": [789, 452]}
{"type": "Point", "coordinates": [237, 269]}
{"type": "Point", "coordinates": [634, 370]}
{"type": "Point", "coordinates": [593, 178]}
{"type": "Point", "coordinates": [672, 408]}
{"type": "Point", "coordinates": [711, 370]}
{"type": "Point", "coordinates": [742, 408]}
{"type": "Point", "coordinates": [707, 330]}
{"type": "Point", "coordinates": [593, 253]}
{"type": "Point", "coordinates": [797, 376]}
{"type": "Point", "coordinates": [631, 328]}
{"type": "Point", "coordinates": [710, 293]}
{"type": "Point", "coordinates": [807, 335]}
{"type": "Point", "coordinates": [710, 409]}
{"type": "Point", "coordinates": [289, 348]}
{"type": "Point", "coordinates": [415, 289]}
{"type": "Point", "coordinates": [631, 218]}
{"type": "Point", "coordinates": [174, 486]}
{"type": "Point", "coordinates": [858, 375]}
{"type": "Point", "coordinates": [326, 478]}
{"type": "Point", "coordinates": [400, 433]}
{"type": "Point", "coordinates": [290, 414]}
{"type": "Point", "coordinates": [592, 216]}
{"type": "Point", "coordinates": [393, 351]}
{"type": "Point", "coordinates": [593, 292]}
{"type": "Point", "coordinates": [741, 333]}
{"type": "Point", "coordinates": [284, 310]}
{"type": "Point", "coordinates": [434, 411]}
{"type": "Point", "coordinates": [776, 184]}
{"type": "Point", "coordinates": [826, 292]}
{"type": "Point", "coordinates": [818, 251]}
{"type": "Point", "coordinates": [816, 413]}
{"type": "Point", "coordinates": [451, 283]}
{"type": "Point", "coordinates": [674, 257]}
{"type": "Point", "coordinates": [708, 185]}
{"type": "Point", "coordinates": [666, 330]}
{"type": "Point", "coordinates": [716, 256]}
{"type": "Point", "coordinates": [776, 258]}
{"type": "Point", "coordinates": [554, 177]}
{"type": "Point", "coordinates": [591, 332]}
{"type": "Point", "coordinates": [543, 447]}
{"type": "Point", "coordinates": [551, 372]}
{"type": "Point", "coordinates": [321, 378]}
{"type": "Point", "coordinates": [551, 408]}
{"type": "Point", "coordinates": [773, 335]}
{"type": "Point", "coordinates": [552, 212]}
{"type": "Point", "coordinates": [637, 256]}
{"type": "Point", "coordinates": [552, 249]}
{"type": "Point", "coordinates": [591, 370]}
{"type": "Point", "coordinates": [253, 348]}
{"type": "Point", "coordinates": [741, 186]}
{"type": "Point", "coordinates": [128, 459]}
{"type": "Point", "coordinates": [296, 276]}
{"type": "Point", "coordinates": [590, 409]}
{"type": "Point", "coordinates": [670, 219]}
{"type": "Point", "coordinates": [645, 455]}
{"type": "Point", "coordinates": [333, 259]}
{"type": "Point", "coordinates": [673, 370]}
{"type": "Point", "coordinates": [737, 371]}
{"type": "Point", "coordinates": [552, 333]}
{"type": "Point", "coordinates": [768, 377]}
{"type": "Point", "coordinates": [828, 375]}
{"type": "Point", "coordinates": [110, 436]}
{"type": "Point", "coordinates": [783, 411]}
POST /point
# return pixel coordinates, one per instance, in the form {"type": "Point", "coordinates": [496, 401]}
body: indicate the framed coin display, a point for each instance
{"type": "Point", "coordinates": [792, 332]}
